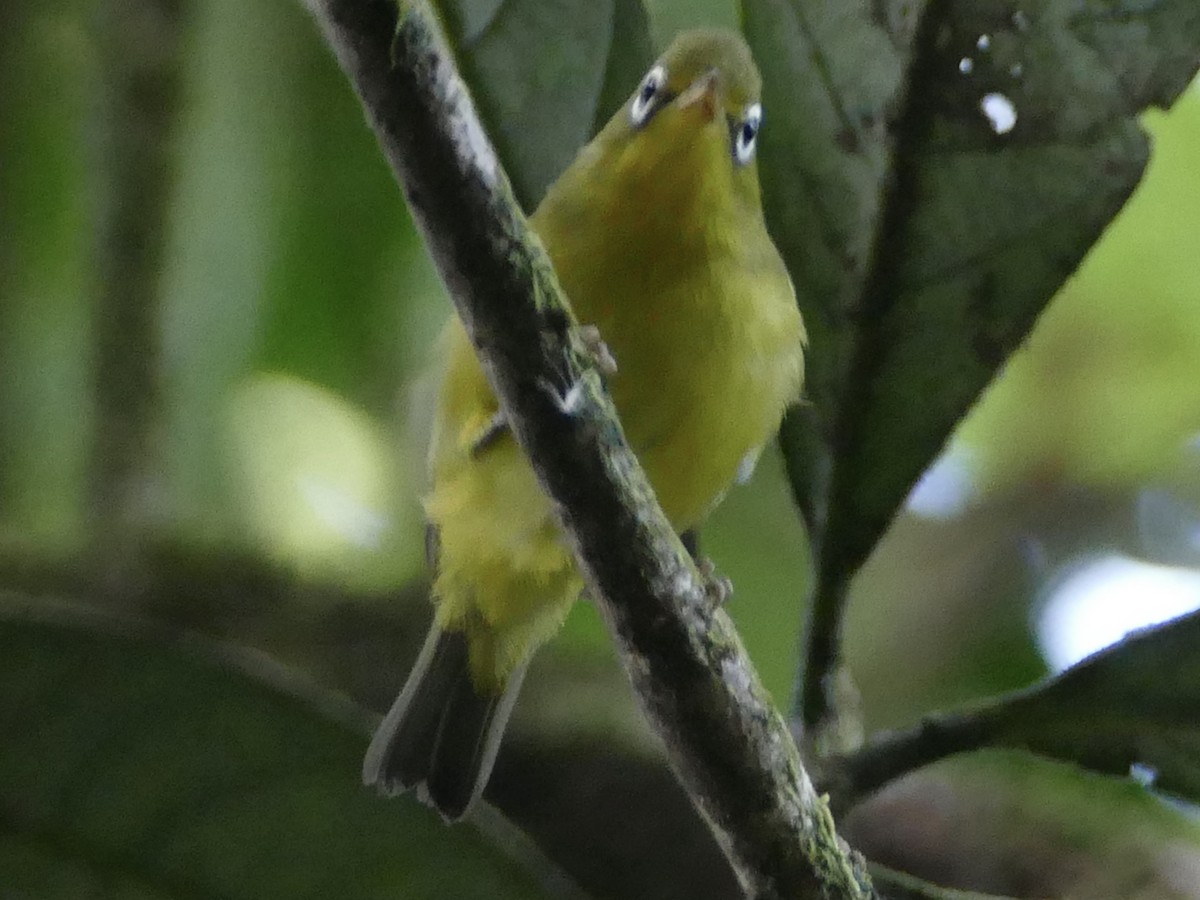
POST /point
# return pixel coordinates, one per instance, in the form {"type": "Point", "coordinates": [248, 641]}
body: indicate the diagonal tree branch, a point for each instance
{"type": "Point", "coordinates": [727, 743]}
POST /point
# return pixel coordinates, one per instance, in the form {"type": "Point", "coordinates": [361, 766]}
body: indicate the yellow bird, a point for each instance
{"type": "Point", "coordinates": [656, 231]}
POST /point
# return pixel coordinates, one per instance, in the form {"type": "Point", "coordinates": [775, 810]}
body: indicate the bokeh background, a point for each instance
{"type": "Point", "coordinates": [296, 312]}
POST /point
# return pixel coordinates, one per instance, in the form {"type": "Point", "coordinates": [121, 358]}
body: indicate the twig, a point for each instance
{"type": "Point", "coordinates": [728, 745]}
{"type": "Point", "coordinates": [888, 756]}
{"type": "Point", "coordinates": [846, 537]}
{"type": "Point", "coordinates": [901, 886]}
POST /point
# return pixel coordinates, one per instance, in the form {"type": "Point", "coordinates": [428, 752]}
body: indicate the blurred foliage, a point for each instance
{"type": "Point", "coordinates": [1007, 825]}
{"type": "Point", "coordinates": [298, 309]}
{"type": "Point", "coordinates": [1094, 407]}
{"type": "Point", "coordinates": [925, 233]}
{"type": "Point", "coordinates": [1118, 345]}
{"type": "Point", "coordinates": [44, 245]}
{"type": "Point", "coordinates": [139, 766]}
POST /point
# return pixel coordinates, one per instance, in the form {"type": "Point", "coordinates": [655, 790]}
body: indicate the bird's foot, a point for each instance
{"type": "Point", "coordinates": [718, 588]}
{"type": "Point", "coordinates": [601, 356]}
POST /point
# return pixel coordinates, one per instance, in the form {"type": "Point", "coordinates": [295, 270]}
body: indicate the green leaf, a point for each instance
{"type": "Point", "coordinates": [1132, 709]}
{"type": "Point", "coordinates": [924, 231]}
{"type": "Point", "coordinates": [143, 764]}
{"type": "Point", "coordinates": [629, 56]}
{"type": "Point", "coordinates": [1137, 702]}
{"type": "Point", "coordinates": [831, 74]}
{"type": "Point", "coordinates": [545, 74]}
{"type": "Point", "coordinates": [669, 17]}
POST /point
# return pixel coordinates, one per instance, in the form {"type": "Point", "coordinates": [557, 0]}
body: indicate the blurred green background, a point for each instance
{"type": "Point", "coordinates": [298, 308]}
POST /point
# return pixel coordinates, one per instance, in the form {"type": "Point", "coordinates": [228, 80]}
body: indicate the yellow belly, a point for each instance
{"type": "Point", "coordinates": [708, 343]}
{"type": "Point", "coordinates": [691, 412]}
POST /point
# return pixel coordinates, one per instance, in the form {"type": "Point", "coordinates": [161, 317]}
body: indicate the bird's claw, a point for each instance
{"type": "Point", "coordinates": [598, 350]}
{"type": "Point", "coordinates": [718, 588]}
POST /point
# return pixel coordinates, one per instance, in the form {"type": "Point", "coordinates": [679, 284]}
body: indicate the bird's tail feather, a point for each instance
{"type": "Point", "coordinates": [442, 733]}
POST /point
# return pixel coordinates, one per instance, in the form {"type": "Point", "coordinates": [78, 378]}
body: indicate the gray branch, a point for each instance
{"type": "Point", "coordinates": [726, 742]}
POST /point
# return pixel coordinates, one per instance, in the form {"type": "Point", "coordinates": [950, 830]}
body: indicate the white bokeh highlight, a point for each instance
{"type": "Point", "coordinates": [947, 488]}
{"type": "Point", "coordinates": [1000, 112]}
{"type": "Point", "coordinates": [1103, 600]}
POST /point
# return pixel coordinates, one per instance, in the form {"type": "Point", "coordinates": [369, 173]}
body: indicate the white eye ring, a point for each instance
{"type": "Point", "coordinates": [645, 101]}
{"type": "Point", "coordinates": [745, 136]}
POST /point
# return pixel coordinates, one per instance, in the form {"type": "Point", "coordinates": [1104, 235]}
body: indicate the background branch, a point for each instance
{"type": "Point", "coordinates": [886, 757]}
{"type": "Point", "coordinates": [1129, 708]}
{"type": "Point", "coordinates": [728, 744]}
{"type": "Point", "coordinates": [141, 78]}
{"type": "Point", "coordinates": [847, 547]}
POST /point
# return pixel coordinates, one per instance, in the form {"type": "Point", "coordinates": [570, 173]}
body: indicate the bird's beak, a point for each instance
{"type": "Point", "coordinates": [701, 93]}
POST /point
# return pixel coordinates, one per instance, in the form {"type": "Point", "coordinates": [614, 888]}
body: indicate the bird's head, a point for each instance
{"type": "Point", "coordinates": [691, 127]}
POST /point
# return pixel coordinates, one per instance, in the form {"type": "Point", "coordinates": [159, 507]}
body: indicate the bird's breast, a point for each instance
{"type": "Point", "coordinates": [708, 354]}
{"type": "Point", "coordinates": [676, 269]}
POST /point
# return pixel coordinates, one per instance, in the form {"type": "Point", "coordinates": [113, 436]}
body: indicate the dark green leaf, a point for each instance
{"type": "Point", "coordinates": [924, 229]}
{"type": "Point", "coordinates": [831, 74]}
{"type": "Point", "coordinates": [545, 73]}
{"type": "Point", "coordinates": [1137, 702]}
{"type": "Point", "coordinates": [629, 56]}
{"type": "Point", "coordinates": [141, 767]}
{"type": "Point", "coordinates": [914, 301]}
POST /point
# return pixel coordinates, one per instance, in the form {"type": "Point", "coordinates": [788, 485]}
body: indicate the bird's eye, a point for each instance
{"type": "Point", "coordinates": [745, 137]}
{"type": "Point", "coordinates": [646, 101]}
